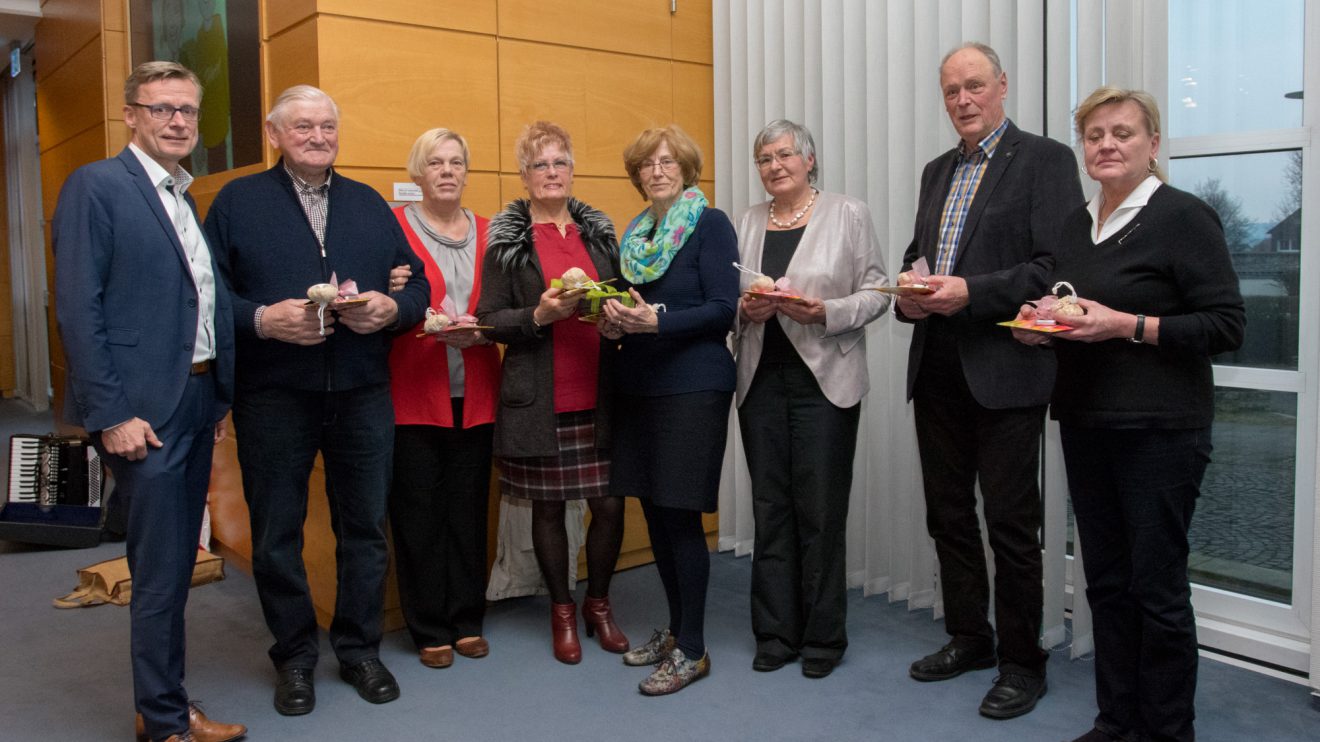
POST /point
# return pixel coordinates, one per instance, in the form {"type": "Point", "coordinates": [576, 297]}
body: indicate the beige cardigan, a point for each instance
{"type": "Point", "coordinates": [838, 259]}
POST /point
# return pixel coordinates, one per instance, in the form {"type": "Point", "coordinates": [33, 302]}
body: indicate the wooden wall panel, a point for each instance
{"type": "Point", "coordinates": [65, 27]}
{"type": "Point", "coordinates": [477, 16]}
{"type": "Point", "coordinates": [692, 39]}
{"type": "Point", "coordinates": [290, 59]}
{"type": "Point", "coordinates": [628, 26]}
{"type": "Point", "coordinates": [57, 162]}
{"type": "Point", "coordinates": [114, 15]}
{"type": "Point", "coordinates": [396, 84]}
{"type": "Point", "coordinates": [594, 95]}
{"type": "Point", "coordinates": [116, 47]}
{"type": "Point", "coordinates": [71, 99]}
{"type": "Point", "coordinates": [278, 15]}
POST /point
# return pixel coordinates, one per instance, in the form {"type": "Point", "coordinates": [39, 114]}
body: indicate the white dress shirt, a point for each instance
{"type": "Point", "coordinates": [1125, 212]}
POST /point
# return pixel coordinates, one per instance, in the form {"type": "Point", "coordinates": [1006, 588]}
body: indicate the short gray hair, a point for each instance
{"type": "Point", "coordinates": [802, 142]}
{"type": "Point", "coordinates": [985, 49]}
{"type": "Point", "coordinates": [299, 94]}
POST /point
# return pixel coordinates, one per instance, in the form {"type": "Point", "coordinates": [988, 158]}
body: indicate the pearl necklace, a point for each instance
{"type": "Point", "coordinates": [796, 217]}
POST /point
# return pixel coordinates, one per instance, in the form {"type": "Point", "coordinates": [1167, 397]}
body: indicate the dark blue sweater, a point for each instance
{"type": "Point", "coordinates": [700, 294]}
{"type": "Point", "coordinates": [266, 252]}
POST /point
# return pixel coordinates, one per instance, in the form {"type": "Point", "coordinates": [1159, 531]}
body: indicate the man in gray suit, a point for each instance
{"type": "Point", "coordinates": [989, 214]}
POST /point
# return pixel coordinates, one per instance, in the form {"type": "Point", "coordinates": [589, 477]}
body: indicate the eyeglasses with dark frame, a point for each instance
{"type": "Point", "coordinates": [165, 112]}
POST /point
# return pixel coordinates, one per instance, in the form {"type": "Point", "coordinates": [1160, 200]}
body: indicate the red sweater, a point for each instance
{"type": "Point", "coordinates": [419, 367]}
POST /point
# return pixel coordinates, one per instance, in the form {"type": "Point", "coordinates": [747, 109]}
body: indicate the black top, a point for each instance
{"type": "Point", "coordinates": [1170, 262]}
{"type": "Point", "coordinates": [775, 257]}
{"type": "Point", "coordinates": [699, 291]}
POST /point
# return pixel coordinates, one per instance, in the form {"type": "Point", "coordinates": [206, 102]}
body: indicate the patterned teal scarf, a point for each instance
{"type": "Point", "coordinates": [644, 260]}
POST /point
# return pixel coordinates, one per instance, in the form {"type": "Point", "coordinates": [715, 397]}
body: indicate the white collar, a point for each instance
{"type": "Point", "coordinates": [158, 175]}
{"type": "Point", "coordinates": [1138, 198]}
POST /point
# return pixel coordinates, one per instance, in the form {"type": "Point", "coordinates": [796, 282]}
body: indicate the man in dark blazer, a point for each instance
{"type": "Point", "coordinates": [988, 216]}
{"type": "Point", "coordinates": [304, 389]}
{"type": "Point", "coordinates": [149, 346]}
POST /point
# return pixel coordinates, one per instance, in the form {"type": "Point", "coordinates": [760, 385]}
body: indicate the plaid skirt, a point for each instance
{"type": "Point", "coordinates": [579, 471]}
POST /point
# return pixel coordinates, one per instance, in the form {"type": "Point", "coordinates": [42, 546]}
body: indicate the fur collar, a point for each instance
{"type": "Point", "coordinates": [509, 236]}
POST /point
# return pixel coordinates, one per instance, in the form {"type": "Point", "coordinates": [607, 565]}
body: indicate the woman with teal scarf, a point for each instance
{"type": "Point", "coordinates": [674, 384]}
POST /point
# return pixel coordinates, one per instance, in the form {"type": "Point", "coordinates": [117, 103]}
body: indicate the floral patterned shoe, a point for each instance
{"type": "Point", "coordinates": [652, 652]}
{"type": "Point", "coordinates": [675, 673]}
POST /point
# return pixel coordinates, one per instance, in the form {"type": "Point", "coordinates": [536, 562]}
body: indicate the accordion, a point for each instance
{"type": "Point", "coordinates": [56, 485]}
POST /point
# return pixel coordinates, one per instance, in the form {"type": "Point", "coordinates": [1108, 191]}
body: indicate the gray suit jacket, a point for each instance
{"type": "Point", "coordinates": [1006, 251]}
{"type": "Point", "coordinates": [838, 260]}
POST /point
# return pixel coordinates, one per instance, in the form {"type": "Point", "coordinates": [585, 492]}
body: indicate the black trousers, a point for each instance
{"type": "Point", "coordinates": [438, 506]}
{"type": "Point", "coordinates": [279, 433]}
{"type": "Point", "coordinates": [1133, 494]}
{"type": "Point", "coordinates": [961, 442]}
{"type": "Point", "coordinates": [165, 494]}
{"type": "Point", "coordinates": [800, 455]}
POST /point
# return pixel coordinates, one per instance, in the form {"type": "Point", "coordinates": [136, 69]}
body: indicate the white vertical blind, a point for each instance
{"type": "Point", "coordinates": [863, 77]}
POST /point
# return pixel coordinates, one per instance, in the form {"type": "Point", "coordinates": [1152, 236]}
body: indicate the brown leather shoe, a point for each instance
{"type": "Point", "coordinates": [599, 618]}
{"type": "Point", "coordinates": [200, 728]}
{"type": "Point", "coordinates": [472, 647]}
{"type": "Point", "coordinates": [437, 657]}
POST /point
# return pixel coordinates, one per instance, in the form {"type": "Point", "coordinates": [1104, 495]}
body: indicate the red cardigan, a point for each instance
{"type": "Point", "coordinates": [419, 367]}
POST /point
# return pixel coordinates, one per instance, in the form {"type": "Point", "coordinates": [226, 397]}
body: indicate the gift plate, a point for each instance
{"type": "Point", "coordinates": [1030, 324]}
{"type": "Point", "coordinates": [772, 295]}
{"type": "Point", "coordinates": [912, 289]}
{"type": "Point", "coordinates": [309, 304]}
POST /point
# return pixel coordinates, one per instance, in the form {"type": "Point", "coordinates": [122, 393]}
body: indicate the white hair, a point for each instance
{"type": "Point", "coordinates": [299, 94]}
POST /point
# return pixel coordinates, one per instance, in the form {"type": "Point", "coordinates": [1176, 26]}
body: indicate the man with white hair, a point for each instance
{"type": "Point", "coordinates": [307, 385]}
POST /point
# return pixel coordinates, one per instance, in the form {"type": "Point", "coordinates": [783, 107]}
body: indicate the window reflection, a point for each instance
{"type": "Point", "coordinates": [1258, 198]}
{"type": "Point", "coordinates": [1242, 533]}
{"type": "Point", "coordinates": [1231, 63]}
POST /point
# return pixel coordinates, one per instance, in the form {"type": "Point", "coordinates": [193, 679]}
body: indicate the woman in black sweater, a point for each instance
{"type": "Point", "coordinates": [1134, 399]}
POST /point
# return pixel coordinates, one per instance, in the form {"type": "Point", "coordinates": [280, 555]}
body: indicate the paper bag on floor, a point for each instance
{"type": "Point", "coordinates": [110, 582]}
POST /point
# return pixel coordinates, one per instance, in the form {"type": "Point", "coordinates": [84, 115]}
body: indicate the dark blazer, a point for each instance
{"type": "Point", "coordinates": [1029, 188]}
{"type": "Point", "coordinates": [126, 302]}
{"type": "Point", "coordinates": [511, 286]}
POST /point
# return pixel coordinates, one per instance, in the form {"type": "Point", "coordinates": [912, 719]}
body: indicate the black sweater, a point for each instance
{"type": "Point", "coordinates": [1171, 262]}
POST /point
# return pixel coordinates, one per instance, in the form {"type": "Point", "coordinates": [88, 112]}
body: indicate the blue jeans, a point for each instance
{"type": "Point", "coordinates": [279, 432]}
{"type": "Point", "coordinates": [1133, 494]}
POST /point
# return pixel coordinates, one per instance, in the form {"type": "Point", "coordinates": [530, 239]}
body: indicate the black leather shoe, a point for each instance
{"type": "Point", "coordinates": [295, 694]}
{"type": "Point", "coordinates": [950, 662]}
{"type": "Point", "coordinates": [817, 667]}
{"type": "Point", "coordinates": [372, 681]}
{"type": "Point", "coordinates": [767, 662]}
{"type": "Point", "coordinates": [1014, 694]}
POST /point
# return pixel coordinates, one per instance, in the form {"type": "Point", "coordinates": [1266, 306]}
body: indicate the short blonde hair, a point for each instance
{"type": "Point", "coordinates": [426, 143]}
{"type": "Point", "coordinates": [149, 72]}
{"type": "Point", "coordinates": [1105, 95]}
{"type": "Point", "coordinates": [535, 137]}
{"type": "Point", "coordinates": [681, 147]}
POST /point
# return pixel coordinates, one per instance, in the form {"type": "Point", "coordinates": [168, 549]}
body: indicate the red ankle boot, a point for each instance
{"type": "Point", "coordinates": [563, 633]}
{"type": "Point", "coordinates": [598, 617]}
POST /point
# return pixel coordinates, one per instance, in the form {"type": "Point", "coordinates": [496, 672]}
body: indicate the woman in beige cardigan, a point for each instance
{"type": "Point", "coordinates": [801, 377]}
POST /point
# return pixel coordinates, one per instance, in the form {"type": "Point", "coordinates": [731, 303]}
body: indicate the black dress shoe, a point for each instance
{"type": "Point", "coordinates": [950, 662]}
{"type": "Point", "coordinates": [1014, 694]}
{"type": "Point", "coordinates": [817, 667]}
{"type": "Point", "coordinates": [372, 681]}
{"type": "Point", "coordinates": [1095, 735]}
{"type": "Point", "coordinates": [767, 662]}
{"type": "Point", "coordinates": [294, 692]}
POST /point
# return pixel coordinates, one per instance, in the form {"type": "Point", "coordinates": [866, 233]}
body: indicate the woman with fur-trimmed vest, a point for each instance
{"type": "Point", "coordinates": [552, 421]}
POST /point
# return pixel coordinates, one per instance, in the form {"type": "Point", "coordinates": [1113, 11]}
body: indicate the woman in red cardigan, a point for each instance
{"type": "Point", "coordinates": [445, 376]}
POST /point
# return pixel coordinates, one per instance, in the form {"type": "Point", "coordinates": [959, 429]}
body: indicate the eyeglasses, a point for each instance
{"type": "Point", "coordinates": [765, 161]}
{"type": "Point", "coordinates": [664, 163]}
{"type": "Point", "coordinates": [165, 112]}
{"type": "Point", "coordinates": [558, 165]}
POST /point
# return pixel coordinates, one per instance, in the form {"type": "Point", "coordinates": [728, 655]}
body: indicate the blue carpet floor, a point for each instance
{"type": "Point", "coordinates": [64, 674]}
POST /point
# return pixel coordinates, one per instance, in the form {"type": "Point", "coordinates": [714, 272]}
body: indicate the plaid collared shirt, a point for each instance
{"type": "Point", "coordinates": [966, 179]}
{"type": "Point", "coordinates": [315, 202]}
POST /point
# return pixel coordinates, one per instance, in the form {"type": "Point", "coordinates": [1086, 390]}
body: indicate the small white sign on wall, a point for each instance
{"type": "Point", "coordinates": [407, 192]}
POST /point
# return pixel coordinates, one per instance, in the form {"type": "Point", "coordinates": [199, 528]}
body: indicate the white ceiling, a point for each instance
{"type": "Point", "coordinates": [17, 19]}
